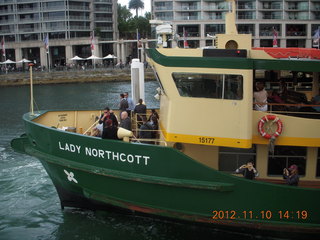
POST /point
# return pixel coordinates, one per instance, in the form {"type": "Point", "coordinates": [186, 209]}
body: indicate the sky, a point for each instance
{"type": "Point", "coordinates": [147, 6]}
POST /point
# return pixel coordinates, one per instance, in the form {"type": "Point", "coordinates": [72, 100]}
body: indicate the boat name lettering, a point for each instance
{"type": "Point", "coordinates": [104, 154]}
{"type": "Point", "coordinates": [69, 147]}
{"type": "Point", "coordinates": [117, 156]}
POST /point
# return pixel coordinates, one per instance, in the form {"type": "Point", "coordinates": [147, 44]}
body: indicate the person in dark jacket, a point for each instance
{"type": "Point", "coordinates": [248, 171]}
{"type": "Point", "coordinates": [291, 175]}
{"type": "Point", "coordinates": [110, 131]}
{"type": "Point", "coordinates": [141, 110]}
{"type": "Point", "coordinates": [107, 114]}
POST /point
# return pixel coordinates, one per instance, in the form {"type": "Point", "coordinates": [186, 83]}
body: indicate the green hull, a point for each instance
{"type": "Point", "coordinates": [164, 182]}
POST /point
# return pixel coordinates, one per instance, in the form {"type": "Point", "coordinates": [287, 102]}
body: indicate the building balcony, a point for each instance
{"type": "Point", "coordinates": [6, 2]}
{"type": "Point", "coordinates": [188, 18]}
{"type": "Point", "coordinates": [83, 28]}
{"type": "Point", "coordinates": [108, 10]}
{"type": "Point", "coordinates": [189, 34]}
{"type": "Point", "coordinates": [163, 8]}
{"type": "Point", "coordinates": [29, 20]}
{"type": "Point", "coordinates": [53, 8]}
{"type": "Point", "coordinates": [84, 8]}
{"type": "Point", "coordinates": [55, 18]}
{"type": "Point", "coordinates": [23, 10]}
{"type": "Point", "coordinates": [31, 30]}
{"type": "Point", "coordinates": [103, 1]}
{"type": "Point", "coordinates": [103, 19]}
{"type": "Point", "coordinates": [79, 18]}
{"type": "Point", "coordinates": [25, 1]}
{"type": "Point", "coordinates": [54, 28]}
{"type": "Point", "coordinates": [189, 8]}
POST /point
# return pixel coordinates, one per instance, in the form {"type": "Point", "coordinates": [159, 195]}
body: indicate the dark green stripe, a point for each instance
{"type": "Point", "coordinates": [234, 63]}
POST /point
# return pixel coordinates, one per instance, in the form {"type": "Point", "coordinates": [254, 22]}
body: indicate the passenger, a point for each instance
{"type": "Point", "coordinates": [123, 104]}
{"type": "Point", "coordinates": [275, 98]}
{"type": "Point", "coordinates": [153, 113]}
{"type": "Point", "coordinates": [145, 131]}
{"type": "Point", "coordinates": [260, 97]}
{"type": "Point", "coordinates": [155, 126]}
{"type": "Point", "coordinates": [248, 171]}
{"type": "Point", "coordinates": [283, 89]}
{"type": "Point", "coordinates": [110, 131]}
{"type": "Point", "coordinates": [141, 110]}
{"type": "Point", "coordinates": [316, 101]}
{"type": "Point", "coordinates": [291, 175]}
{"type": "Point", "coordinates": [130, 103]}
{"type": "Point", "coordinates": [108, 114]}
{"type": "Point", "coordinates": [125, 121]}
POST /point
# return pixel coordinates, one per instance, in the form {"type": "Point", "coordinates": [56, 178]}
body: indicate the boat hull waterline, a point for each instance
{"type": "Point", "coordinates": [163, 181]}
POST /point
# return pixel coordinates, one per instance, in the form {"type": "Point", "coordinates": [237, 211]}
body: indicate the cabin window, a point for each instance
{"type": "Point", "coordinates": [318, 164]}
{"type": "Point", "coordinates": [219, 86]}
{"type": "Point", "coordinates": [284, 157]}
{"type": "Point", "coordinates": [232, 158]}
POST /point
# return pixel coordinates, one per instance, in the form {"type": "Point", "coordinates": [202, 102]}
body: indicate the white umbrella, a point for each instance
{"type": "Point", "coordinates": [24, 61]}
{"type": "Point", "coordinates": [93, 57]}
{"type": "Point", "coordinates": [8, 62]}
{"type": "Point", "coordinates": [76, 58]}
{"type": "Point", "coordinates": [109, 56]}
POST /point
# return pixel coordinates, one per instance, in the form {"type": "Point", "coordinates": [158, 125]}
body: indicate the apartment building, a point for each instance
{"type": "Point", "coordinates": [24, 24]}
{"type": "Point", "coordinates": [294, 21]}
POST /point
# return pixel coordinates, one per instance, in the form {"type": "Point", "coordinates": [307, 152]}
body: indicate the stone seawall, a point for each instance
{"type": "Point", "coordinates": [56, 77]}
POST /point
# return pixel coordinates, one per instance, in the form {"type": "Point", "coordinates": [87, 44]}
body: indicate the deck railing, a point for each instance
{"type": "Point", "coordinates": [291, 108]}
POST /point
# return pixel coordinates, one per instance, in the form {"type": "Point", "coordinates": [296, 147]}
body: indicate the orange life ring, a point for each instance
{"type": "Point", "coordinates": [275, 120]}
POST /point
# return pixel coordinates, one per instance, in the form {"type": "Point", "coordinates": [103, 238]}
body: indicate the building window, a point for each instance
{"type": "Point", "coordinates": [300, 43]}
{"type": "Point", "coordinates": [189, 30]}
{"type": "Point", "coordinates": [232, 158]}
{"type": "Point", "coordinates": [246, 29]}
{"type": "Point", "coordinates": [213, 29]}
{"type": "Point", "coordinates": [284, 157]}
{"type": "Point", "coordinates": [219, 86]}
{"type": "Point", "coordinates": [268, 42]}
{"type": "Point", "coordinates": [296, 30]}
{"type": "Point", "coordinates": [268, 29]}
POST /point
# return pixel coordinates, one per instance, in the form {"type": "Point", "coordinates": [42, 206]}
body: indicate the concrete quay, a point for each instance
{"type": "Point", "coordinates": [71, 76]}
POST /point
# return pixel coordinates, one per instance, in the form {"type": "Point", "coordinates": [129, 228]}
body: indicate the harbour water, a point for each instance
{"type": "Point", "coordinates": [29, 204]}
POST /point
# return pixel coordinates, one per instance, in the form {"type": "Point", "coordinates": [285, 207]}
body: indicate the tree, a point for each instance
{"type": "Point", "coordinates": [124, 16]}
{"type": "Point", "coordinates": [136, 4]}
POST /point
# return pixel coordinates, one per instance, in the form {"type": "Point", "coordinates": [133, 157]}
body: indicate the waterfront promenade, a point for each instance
{"type": "Point", "coordinates": [70, 76]}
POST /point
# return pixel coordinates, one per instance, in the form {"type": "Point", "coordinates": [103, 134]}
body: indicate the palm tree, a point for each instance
{"type": "Point", "coordinates": [136, 4]}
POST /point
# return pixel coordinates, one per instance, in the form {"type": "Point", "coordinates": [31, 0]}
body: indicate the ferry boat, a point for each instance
{"type": "Point", "coordinates": [208, 128]}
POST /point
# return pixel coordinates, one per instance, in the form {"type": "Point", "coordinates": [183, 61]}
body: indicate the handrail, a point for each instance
{"type": "Point", "coordinates": [95, 123]}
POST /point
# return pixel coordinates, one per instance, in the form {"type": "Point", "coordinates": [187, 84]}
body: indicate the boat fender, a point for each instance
{"type": "Point", "coordinates": [265, 133]}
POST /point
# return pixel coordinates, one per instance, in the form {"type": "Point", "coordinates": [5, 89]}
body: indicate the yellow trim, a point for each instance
{"type": "Point", "coordinates": [289, 141]}
{"type": "Point", "coordinates": [206, 140]}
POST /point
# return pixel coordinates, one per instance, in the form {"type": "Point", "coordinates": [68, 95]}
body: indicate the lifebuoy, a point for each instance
{"type": "Point", "coordinates": [275, 120]}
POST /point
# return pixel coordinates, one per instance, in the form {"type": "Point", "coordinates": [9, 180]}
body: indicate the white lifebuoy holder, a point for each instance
{"type": "Point", "coordinates": [275, 120]}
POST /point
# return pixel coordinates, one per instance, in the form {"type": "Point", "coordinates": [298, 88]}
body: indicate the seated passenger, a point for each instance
{"type": "Point", "coordinates": [260, 97]}
{"type": "Point", "coordinates": [316, 101]}
{"type": "Point", "coordinates": [125, 121]}
{"type": "Point", "coordinates": [110, 131]}
{"type": "Point", "coordinates": [248, 171]}
{"type": "Point", "coordinates": [153, 113]}
{"type": "Point", "coordinates": [145, 131]}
